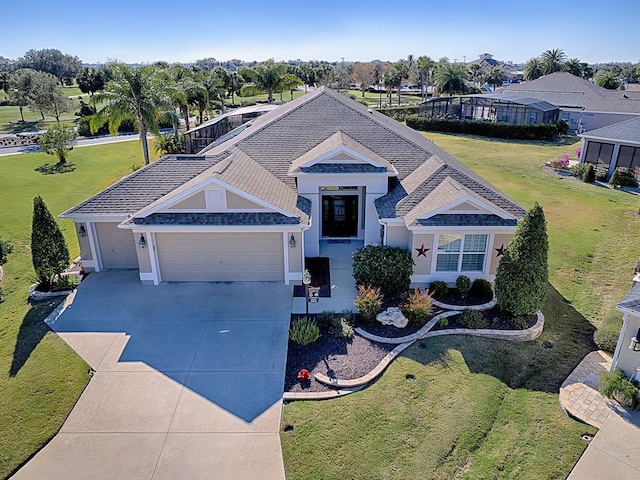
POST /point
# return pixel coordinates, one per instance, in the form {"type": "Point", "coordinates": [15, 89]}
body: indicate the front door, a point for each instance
{"type": "Point", "coordinates": [340, 216]}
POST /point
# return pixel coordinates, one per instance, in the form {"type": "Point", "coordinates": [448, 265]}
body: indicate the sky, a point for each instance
{"type": "Point", "coordinates": [146, 31]}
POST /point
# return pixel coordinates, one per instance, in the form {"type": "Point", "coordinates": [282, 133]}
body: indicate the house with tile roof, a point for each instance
{"type": "Point", "coordinates": [254, 204]}
{"type": "Point", "coordinates": [585, 105]}
{"type": "Point", "coordinates": [612, 147]}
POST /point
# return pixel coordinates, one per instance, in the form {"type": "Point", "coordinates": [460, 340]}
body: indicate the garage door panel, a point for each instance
{"type": "Point", "coordinates": [117, 246]}
{"type": "Point", "coordinates": [220, 256]}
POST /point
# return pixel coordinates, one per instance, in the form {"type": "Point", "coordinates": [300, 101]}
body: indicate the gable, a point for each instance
{"type": "Point", "coordinates": [213, 198]}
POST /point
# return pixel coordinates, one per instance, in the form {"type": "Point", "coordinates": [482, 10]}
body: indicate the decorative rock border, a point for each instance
{"type": "Point", "coordinates": [407, 338]}
{"type": "Point", "coordinates": [459, 308]}
{"type": "Point", "coordinates": [37, 296]}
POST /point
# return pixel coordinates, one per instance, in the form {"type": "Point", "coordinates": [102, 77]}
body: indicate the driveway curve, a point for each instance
{"type": "Point", "coordinates": [188, 381]}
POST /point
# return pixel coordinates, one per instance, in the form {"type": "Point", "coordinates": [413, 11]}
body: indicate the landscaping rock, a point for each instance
{"type": "Point", "coordinates": [392, 316]}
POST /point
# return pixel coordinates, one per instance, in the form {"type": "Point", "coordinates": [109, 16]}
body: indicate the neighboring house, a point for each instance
{"type": "Point", "coordinates": [583, 104]}
{"type": "Point", "coordinates": [320, 168]}
{"type": "Point", "coordinates": [615, 146]}
{"type": "Point", "coordinates": [627, 354]}
{"type": "Point", "coordinates": [487, 62]}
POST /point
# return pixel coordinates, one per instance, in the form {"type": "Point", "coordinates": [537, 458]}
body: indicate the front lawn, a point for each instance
{"type": "Point", "coordinates": [482, 408]}
{"type": "Point", "coordinates": [40, 376]}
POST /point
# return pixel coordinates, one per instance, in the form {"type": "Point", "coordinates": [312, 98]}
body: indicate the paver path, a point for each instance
{"type": "Point", "coordinates": [188, 382]}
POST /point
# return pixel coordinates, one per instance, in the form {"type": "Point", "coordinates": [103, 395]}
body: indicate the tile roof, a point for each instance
{"type": "Point", "coordinates": [567, 90]}
{"type": "Point", "coordinates": [627, 131]}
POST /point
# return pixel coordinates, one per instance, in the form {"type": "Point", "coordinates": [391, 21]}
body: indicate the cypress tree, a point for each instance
{"type": "Point", "coordinates": [522, 276]}
{"type": "Point", "coordinates": [589, 175]}
{"type": "Point", "coordinates": [49, 251]}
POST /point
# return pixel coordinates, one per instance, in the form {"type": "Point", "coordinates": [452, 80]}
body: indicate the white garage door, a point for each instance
{"type": "Point", "coordinates": [220, 257]}
{"type": "Point", "coordinates": [117, 246]}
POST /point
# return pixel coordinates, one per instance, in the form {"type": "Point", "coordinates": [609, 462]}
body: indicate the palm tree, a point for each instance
{"type": "Point", "coordinates": [424, 65]}
{"type": "Point", "coordinates": [234, 85]}
{"type": "Point", "coordinates": [607, 79]}
{"type": "Point", "coordinates": [182, 87]}
{"type": "Point", "coordinates": [533, 69]}
{"type": "Point", "coordinates": [289, 83]}
{"type": "Point", "coordinates": [496, 77]}
{"type": "Point", "coordinates": [267, 76]}
{"type": "Point", "coordinates": [132, 93]}
{"type": "Point", "coordinates": [476, 73]}
{"type": "Point", "coordinates": [553, 60]}
{"type": "Point", "coordinates": [574, 67]}
{"type": "Point", "coordinates": [451, 78]}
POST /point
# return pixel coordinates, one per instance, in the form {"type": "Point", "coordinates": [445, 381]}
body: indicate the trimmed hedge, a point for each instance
{"type": "Point", "coordinates": [389, 268]}
{"type": "Point", "coordinates": [399, 113]}
{"type": "Point", "coordinates": [543, 131]}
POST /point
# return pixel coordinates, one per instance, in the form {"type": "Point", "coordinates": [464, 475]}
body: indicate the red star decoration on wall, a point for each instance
{"type": "Point", "coordinates": [500, 250]}
{"type": "Point", "coordinates": [422, 251]}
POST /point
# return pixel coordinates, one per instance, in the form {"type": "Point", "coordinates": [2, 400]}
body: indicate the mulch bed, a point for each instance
{"type": "Point", "coordinates": [498, 320]}
{"type": "Point", "coordinates": [454, 298]}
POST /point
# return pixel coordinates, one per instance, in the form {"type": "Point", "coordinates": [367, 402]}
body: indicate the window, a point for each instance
{"type": "Point", "coordinates": [461, 253]}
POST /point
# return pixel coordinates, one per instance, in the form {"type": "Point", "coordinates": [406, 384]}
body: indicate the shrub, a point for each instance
{"type": "Point", "coordinates": [522, 277]}
{"type": "Point", "coordinates": [348, 316]}
{"type": "Point", "coordinates": [6, 248]}
{"type": "Point", "coordinates": [388, 268]}
{"type": "Point", "coordinates": [543, 131]}
{"type": "Point", "coordinates": [601, 175]}
{"type": "Point", "coordinates": [616, 385]}
{"type": "Point", "coordinates": [472, 319]}
{"type": "Point", "coordinates": [463, 284]}
{"type": "Point", "coordinates": [623, 179]}
{"type": "Point", "coordinates": [325, 318]}
{"type": "Point", "coordinates": [561, 163]}
{"type": "Point", "coordinates": [579, 168]}
{"type": "Point", "coordinates": [443, 321]}
{"type": "Point", "coordinates": [606, 337]}
{"type": "Point", "coordinates": [481, 288]}
{"type": "Point", "coordinates": [589, 175]}
{"type": "Point", "coordinates": [416, 307]}
{"type": "Point", "coordinates": [64, 283]}
{"type": "Point", "coordinates": [438, 289]}
{"type": "Point", "coordinates": [399, 113]}
{"type": "Point", "coordinates": [368, 302]}
{"type": "Point", "coordinates": [519, 322]}
{"type": "Point", "coordinates": [304, 331]}
{"type": "Point", "coordinates": [340, 328]}
{"type": "Point", "coordinates": [170, 144]}
{"type": "Point", "coordinates": [49, 251]}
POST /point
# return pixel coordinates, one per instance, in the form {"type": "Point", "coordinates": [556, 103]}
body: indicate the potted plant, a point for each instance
{"type": "Point", "coordinates": [615, 385]}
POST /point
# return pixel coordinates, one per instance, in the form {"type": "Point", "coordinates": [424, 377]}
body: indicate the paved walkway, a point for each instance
{"type": "Point", "coordinates": [612, 453]}
{"type": "Point", "coordinates": [188, 382]}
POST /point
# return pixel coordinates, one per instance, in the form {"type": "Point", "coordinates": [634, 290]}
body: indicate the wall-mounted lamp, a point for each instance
{"type": "Point", "coordinates": [82, 231]}
{"type": "Point", "coordinates": [292, 241]}
{"type": "Point", "coordinates": [635, 342]}
{"type": "Point", "coordinates": [142, 243]}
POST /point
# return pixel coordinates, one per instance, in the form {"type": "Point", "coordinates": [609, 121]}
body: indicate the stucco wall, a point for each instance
{"type": "Point", "coordinates": [144, 261]}
{"type": "Point", "coordinates": [498, 241]}
{"type": "Point", "coordinates": [195, 201]}
{"type": "Point", "coordinates": [422, 264]}
{"type": "Point", "coordinates": [238, 202]}
{"type": "Point", "coordinates": [83, 242]}
{"type": "Point", "coordinates": [398, 236]}
{"type": "Point", "coordinates": [628, 359]}
{"type": "Point", "coordinates": [295, 254]}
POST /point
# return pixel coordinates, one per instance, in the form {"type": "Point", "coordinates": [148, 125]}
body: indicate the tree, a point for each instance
{"type": "Point", "coordinates": [266, 76]}
{"type": "Point", "coordinates": [46, 96]}
{"type": "Point", "coordinates": [6, 248]}
{"type": "Point", "coordinates": [553, 60]}
{"type": "Point", "coordinates": [133, 93]}
{"type": "Point", "coordinates": [533, 69]}
{"type": "Point", "coordinates": [207, 63]}
{"type": "Point", "coordinates": [91, 80]}
{"type": "Point", "coordinates": [234, 85]}
{"type": "Point", "coordinates": [50, 60]}
{"type": "Point", "coordinates": [522, 276]}
{"type": "Point", "coordinates": [574, 67]}
{"type": "Point", "coordinates": [451, 78]}
{"type": "Point", "coordinates": [495, 77]}
{"type": "Point", "coordinates": [307, 74]}
{"type": "Point", "coordinates": [58, 140]}
{"type": "Point", "coordinates": [364, 74]}
{"type": "Point", "coordinates": [477, 74]}
{"type": "Point", "coordinates": [608, 80]}
{"type": "Point", "coordinates": [289, 83]}
{"type": "Point", "coordinates": [49, 251]}
{"type": "Point", "coordinates": [424, 64]}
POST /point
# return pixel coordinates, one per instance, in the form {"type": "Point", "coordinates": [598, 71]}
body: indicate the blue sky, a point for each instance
{"type": "Point", "coordinates": [134, 31]}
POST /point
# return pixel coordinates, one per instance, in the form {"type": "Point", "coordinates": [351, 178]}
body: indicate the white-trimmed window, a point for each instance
{"type": "Point", "coordinates": [461, 253]}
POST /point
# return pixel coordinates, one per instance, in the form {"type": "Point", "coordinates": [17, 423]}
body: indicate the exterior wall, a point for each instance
{"type": "Point", "coordinates": [196, 201]}
{"type": "Point", "coordinates": [237, 202]}
{"type": "Point", "coordinates": [144, 258]}
{"type": "Point", "coordinates": [628, 360]}
{"type": "Point", "coordinates": [399, 236]}
{"type": "Point", "coordinates": [422, 264]}
{"type": "Point", "coordinates": [83, 242]}
{"type": "Point", "coordinates": [593, 120]}
{"type": "Point", "coordinates": [117, 247]}
{"type": "Point", "coordinates": [295, 254]}
{"type": "Point", "coordinates": [498, 241]}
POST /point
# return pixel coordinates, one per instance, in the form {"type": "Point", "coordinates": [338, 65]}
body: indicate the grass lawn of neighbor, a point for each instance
{"type": "Point", "coordinates": [482, 408]}
{"type": "Point", "coordinates": [41, 378]}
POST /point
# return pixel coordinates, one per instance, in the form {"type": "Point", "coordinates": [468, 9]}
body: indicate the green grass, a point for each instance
{"type": "Point", "coordinates": [483, 408]}
{"type": "Point", "coordinates": [41, 378]}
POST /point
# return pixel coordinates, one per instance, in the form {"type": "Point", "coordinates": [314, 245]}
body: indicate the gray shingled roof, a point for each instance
{"type": "Point", "coordinates": [631, 300]}
{"type": "Point", "coordinates": [459, 220]}
{"type": "Point", "coordinates": [144, 186]}
{"type": "Point", "coordinates": [627, 131]}
{"type": "Point", "coordinates": [567, 90]}
{"type": "Point", "coordinates": [235, 218]}
{"type": "Point", "coordinates": [343, 168]}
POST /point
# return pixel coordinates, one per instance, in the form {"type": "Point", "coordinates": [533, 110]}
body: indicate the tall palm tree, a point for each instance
{"type": "Point", "coordinates": [136, 93]}
{"type": "Point", "coordinates": [553, 60]}
{"type": "Point", "coordinates": [607, 79]}
{"type": "Point", "coordinates": [574, 67]}
{"type": "Point", "coordinates": [424, 64]}
{"type": "Point", "coordinates": [267, 76]}
{"type": "Point", "coordinates": [533, 69]}
{"type": "Point", "coordinates": [289, 83]}
{"type": "Point", "coordinates": [451, 78]}
{"type": "Point", "coordinates": [476, 73]}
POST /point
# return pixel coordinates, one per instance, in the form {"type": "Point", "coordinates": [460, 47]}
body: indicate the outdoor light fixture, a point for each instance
{"type": "Point", "coordinates": [306, 279]}
{"type": "Point", "coordinates": [292, 241]}
{"type": "Point", "coordinates": [635, 342]}
{"type": "Point", "coordinates": [142, 242]}
{"type": "Point", "coordinates": [82, 231]}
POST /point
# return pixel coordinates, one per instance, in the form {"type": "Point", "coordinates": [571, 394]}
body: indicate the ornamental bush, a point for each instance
{"type": "Point", "coordinates": [438, 289]}
{"type": "Point", "coordinates": [623, 179]}
{"type": "Point", "coordinates": [472, 319]}
{"type": "Point", "coordinates": [49, 251]}
{"type": "Point", "coordinates": [606, 337]}
{"type": "Point", "coordinates": [388, 268]}
{"type": "Point", "coordinates": [463, 284]}
{"type": "Point", "coordinates": [304, 331]}
{"type": "Point", "coordinates": [339, 327]}
{"type": "Point", "coordinates": [616, 384]}
{"type": "Point", "coordinates": [416, 308]}
{"type": "Point", "coordinates": [589, 175]}
{"type": "Point", "coordinates": [522, 277]}
{"type": "Point", "coordinates": [481, 288]}
{"type": "Point", "coordinates": [368, 302]}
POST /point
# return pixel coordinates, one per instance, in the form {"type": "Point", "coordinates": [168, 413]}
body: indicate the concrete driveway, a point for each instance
{"type": "Point", "coordinates": [188, 381]}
